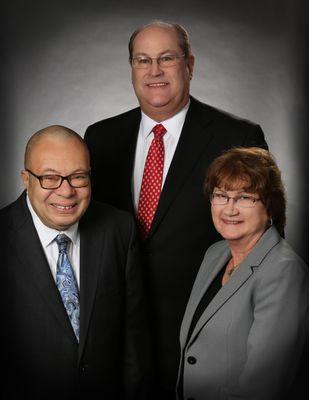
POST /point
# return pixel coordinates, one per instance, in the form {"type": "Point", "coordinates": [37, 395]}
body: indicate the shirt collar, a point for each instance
{"type": "Point", "coordinates": [173, 125]}
{"type": "Point", "coordinates": [47, 234]}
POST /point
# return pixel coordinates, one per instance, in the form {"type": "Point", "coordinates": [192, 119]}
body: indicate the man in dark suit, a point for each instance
{"type": "Point", "coordinates": [175, 226]}
{"type": "Point", "coordinates": [72, 320]}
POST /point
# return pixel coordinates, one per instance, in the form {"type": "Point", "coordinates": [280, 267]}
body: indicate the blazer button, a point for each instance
{"type": "Point", "coordinates": [191, 360]}
{"type": "Point", "coordinates": [84, 368]}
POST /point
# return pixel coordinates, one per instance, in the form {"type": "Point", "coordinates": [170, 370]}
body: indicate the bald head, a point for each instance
{"type": "Point", "coordinates": [56, 176]}
{"type": "Point", "coordinates": [52, 132]}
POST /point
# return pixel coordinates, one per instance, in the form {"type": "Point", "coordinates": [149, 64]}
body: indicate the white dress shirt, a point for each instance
{"type": "Point", "coordinates": [173, 127]}
{"type": "Point", "coordinates": [50, 247]}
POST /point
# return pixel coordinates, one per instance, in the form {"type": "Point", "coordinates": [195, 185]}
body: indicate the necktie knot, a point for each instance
{"type": "Point", "coordinates": [62, 241]}
{"type": "Point", "coordinates": [159, 131]}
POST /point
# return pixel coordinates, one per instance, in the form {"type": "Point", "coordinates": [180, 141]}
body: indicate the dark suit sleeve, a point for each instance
{"type": "Point", "coordinates": [137, 366]}
{"type": "Point", "coordinates": [92, 139]}
{"type": "Point", "coordinates": [256, 138]}
{"type": "Point", "coordinates": [88, 137]}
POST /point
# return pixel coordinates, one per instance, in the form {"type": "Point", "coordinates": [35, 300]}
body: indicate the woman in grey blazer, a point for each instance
{"type": "Point", "coordinates": [246, 321]}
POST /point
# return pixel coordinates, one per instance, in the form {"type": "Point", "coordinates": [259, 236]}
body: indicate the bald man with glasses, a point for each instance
{"type": "Point", "coordinates": [72, 308]}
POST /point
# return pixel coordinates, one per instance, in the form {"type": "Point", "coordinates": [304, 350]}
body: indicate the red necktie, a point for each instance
{"type": "Point", "coordinates": [152, 181]}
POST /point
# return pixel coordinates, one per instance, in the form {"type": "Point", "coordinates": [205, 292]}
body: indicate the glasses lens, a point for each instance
{"type": "Point", "coordinates": [241, 201]}
{"type": "Point", "coordinates": [141, 62]}
{"type": "Point", "coordinates": [219, 198]}
{"type": "Point", "coordinates": [246, 201]}
{"type": "Point", "coordinates": [50, 181]}
{"type": "Point", "coordinates": [79, 180]}
{"type": "Point", "coordinates": [167, 60]}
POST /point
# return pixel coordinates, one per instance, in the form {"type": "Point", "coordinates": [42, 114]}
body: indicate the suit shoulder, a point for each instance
{"type": "Point", "coordinates": [103, 213]}
{"type": "Point", "coordinates": [283, 256]}
{"type": "Point", "coordinates": [216, 249]}
{"type": "Point", "coordinates": [283, 266]}
{"type": "Point", "coordinates": [14, 214]}
{"type": "Point", "coordinates": [116, 120]}
{"type": "Point", "coordinates": [228, 129]}
{"type": "Point", "coordinates": [114, 224]}
{"type": "Point", "coordinates": [5, 215]}
{"type": "Point", "coordinates": [219, 114]}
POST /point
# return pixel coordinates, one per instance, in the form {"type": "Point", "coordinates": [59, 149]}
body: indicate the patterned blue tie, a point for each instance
{"type": "Point", "coordinates": [66, 283]}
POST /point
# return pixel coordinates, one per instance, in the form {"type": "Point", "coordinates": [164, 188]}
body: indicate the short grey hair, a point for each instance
{"type": "Point", "coordinates": [183, 36]}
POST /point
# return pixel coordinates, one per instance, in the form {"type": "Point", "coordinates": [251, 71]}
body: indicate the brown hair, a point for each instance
{"type": "Point", "coordinates": [254, 170]}
{"type": "Point", "coordinates": [183, 36]}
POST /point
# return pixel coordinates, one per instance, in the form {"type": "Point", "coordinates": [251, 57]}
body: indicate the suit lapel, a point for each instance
{"type": "Point", "coordinates": [244, 272]}
{"type": "Point", "coordinates": [206, 275]}
{"type": "Point", "coordinates": [128, 143]}
{"type": "Point", "coordinates": [192, 142]}
{"type": "Point", "coordinates": [225, 293]}
{"type": "Point", "coordinates": [29, 250]}
{"type": "Point", "coordinates": [90, 257]}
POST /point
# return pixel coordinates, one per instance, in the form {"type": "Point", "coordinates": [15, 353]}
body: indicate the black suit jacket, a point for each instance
{"type": "Point", "coordinates": [182, 228]}
{"type": "Point", "coordinates": [42, 358]}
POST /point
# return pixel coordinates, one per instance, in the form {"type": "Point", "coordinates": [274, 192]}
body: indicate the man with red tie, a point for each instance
{"type": "Point", "coordinates": [151, 161]}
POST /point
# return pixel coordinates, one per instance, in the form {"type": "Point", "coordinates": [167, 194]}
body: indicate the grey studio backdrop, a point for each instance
{"type": "Point", "coordinates": [66, 63]}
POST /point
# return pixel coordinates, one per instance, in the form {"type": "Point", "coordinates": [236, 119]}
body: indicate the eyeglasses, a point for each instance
{"type": "Point", "coordinates": [165, 61]}
{"type": "Point", "coordinates": [243, 200]}
{"type": "Point", "coordinates": [52, 181]}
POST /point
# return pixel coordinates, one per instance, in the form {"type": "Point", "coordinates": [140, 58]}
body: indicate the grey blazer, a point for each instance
{"type": "Point", "coordinates": [248, 341]}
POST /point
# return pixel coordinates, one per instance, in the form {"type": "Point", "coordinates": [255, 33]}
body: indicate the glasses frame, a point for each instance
{"type": "Point", "coordinates": [235, 200]}
{"type": "Point", "coordinates": [158, 60]}
{"type": "Point", "coordinates": [63, 178]}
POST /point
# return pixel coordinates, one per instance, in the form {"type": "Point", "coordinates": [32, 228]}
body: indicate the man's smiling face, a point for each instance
{"type": "Point", "coordinates": [57, 208]}
{"type": "Point", "coordinates": [162, 92]}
